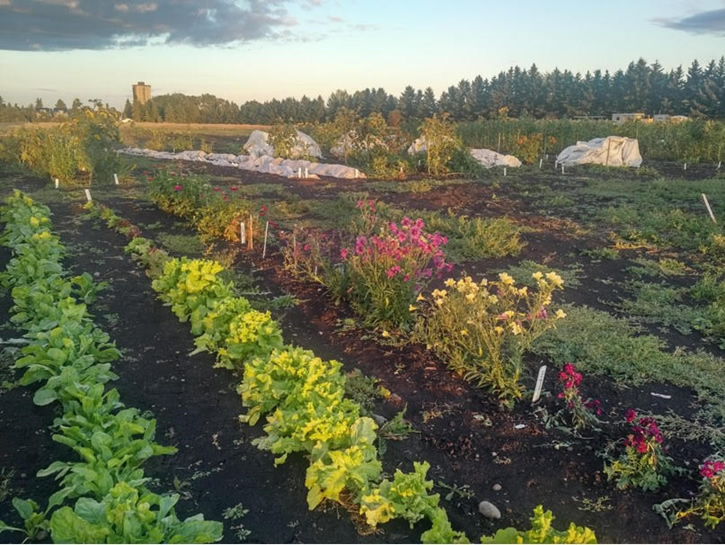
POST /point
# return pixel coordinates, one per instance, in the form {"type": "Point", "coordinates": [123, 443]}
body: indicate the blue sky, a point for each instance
{"type": "Point", "coordinates": [263, 49]}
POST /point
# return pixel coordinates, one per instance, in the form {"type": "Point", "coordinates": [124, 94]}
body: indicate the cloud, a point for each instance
{"type": "Point", "coordinates": [705, 22]}
{"type": "Point", "coordinates": [60, 25]}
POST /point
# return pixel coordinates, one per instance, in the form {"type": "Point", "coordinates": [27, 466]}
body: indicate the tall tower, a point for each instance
{"type": "Point", "coordinates": [141, 92]}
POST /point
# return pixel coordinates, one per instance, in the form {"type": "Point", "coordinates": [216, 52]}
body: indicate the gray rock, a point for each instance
{"type": "Point", "coordinates": [489, 510]}
{"type": "Point", "coordinates": [497, 487]}
{"type": "Point", "coordinates": [379, 420]}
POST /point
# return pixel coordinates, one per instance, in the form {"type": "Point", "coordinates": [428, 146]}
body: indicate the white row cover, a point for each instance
{"type": "Point", "coordinates": [489, 158]}
{"type": "Point", "coordinates": [613, 151]}
{"type": "Point", "coordinates": [258, 145]}
{"type": "Point", "coordinates": [290, 168]}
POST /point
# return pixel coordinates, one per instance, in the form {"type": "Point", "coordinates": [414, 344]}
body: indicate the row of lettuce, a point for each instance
{"type": "Point", "coordinates": [300, 397]}
{"type": "Point", "coordinates": [103, 495]}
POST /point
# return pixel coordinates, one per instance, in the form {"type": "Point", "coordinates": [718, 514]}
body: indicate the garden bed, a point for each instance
{"type": "Point", "coordinates": [507, 457]}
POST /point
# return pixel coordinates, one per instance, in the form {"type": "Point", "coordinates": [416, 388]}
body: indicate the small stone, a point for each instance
{"type": "Point", "coordinates": [497, 487]}
{"type": "Point", "coordinates": [379, 419]}
{"type": "Point", "coordinates": [489, 510]}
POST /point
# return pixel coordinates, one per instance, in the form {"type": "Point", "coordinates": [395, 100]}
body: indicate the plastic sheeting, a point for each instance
{"type": "Point", "coordinates": [290, 168]}
{"type": "Point", "coordinates": [258, 145]}
{"type": "Point", "coordinates": [489, 158]}
{"type": "Point", "coordinates": [613, 151]}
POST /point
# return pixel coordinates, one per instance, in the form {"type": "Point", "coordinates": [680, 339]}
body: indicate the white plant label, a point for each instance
{"type": "Point", "coordinates": [539, 384]}
{"type": "Point", "coordinates": [299, 172]}
{"type": "Point", "coordinates": [504, 171]}
{"type": "Point", "coordinates": [88, 195]}
{"type": "Point", "coordinates": [57, 183]}
{"type": "Point", "coordinates": [541, 162]}
{"type": "Point", "coordinates": [115, 178]}
{"type": "Point", "coordinates": [266, 232]}
{"type": "Point", "coordinates": [684, 167]}
{"type": "Point", "coordinates": [709, 210]}
{"type": "Point", "coordinates": [242, 233]}
{"type": "Point", "coordinates": [307, 175]}
{"type": "Point", "coordinates": [663, 396]}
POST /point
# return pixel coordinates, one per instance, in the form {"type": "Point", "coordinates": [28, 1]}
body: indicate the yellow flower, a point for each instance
{"type": "Point", "coordinates": [555, 279]}
{"type": "Point", "coordinates": [439, 293]}
{"type": "Point", "coordinates": [516, 328]}
{"type": "Point", "coordinates": [450, 282]}
{"type": "Point", "coordinates": [385, 333]}
{"type": "Point", "coordinates": [439, 302]}
{"type": "Point", "coordinates": [506, 279]}
{"type": "Point", "coordinates": [411, 308]}
{"type": "Point", "coordinates": [537, 275]}
{"type": "Point", "coordinates": [523, 291]}
{"type": "Point", "coordinates": [464, 332]}
{"type": "Point", "coordinates": [492, 299]}
{"type": "Point", "coordinates": [498, 329]}
{"type": "Point", "coordinates": [560, 314]}
{"type": "Point", "coordinates": [420, 297]}
{"type": "Point", "coordinates": [470, 297]}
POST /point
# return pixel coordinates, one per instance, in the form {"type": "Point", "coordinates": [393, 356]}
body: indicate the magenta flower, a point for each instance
{"type": "Point", "coordinates": [178, 187]}
{"type": "Point", "coordinates": [343, 253]}
{"type": "Point", "coordinates": [630, 416]}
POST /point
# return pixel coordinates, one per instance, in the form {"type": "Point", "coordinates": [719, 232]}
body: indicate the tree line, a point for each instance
{"type": "Point", "coordinates": [698, 91]}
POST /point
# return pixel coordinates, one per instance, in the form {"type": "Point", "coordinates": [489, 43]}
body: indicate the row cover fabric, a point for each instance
{"type": "Point", "coordinates": [489, 158]}
{"type": "Point", "coordinates": [486, 157]}
{"type": "Point", "coordinates": [613, 151]}
{"type": "Point", "coordinates": [258, 145]}
{"type": "Point", "coordinates": [290, 168]}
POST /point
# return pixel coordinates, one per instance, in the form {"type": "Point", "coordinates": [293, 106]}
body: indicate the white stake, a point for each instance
{"type": "Point", "coordinates": [57, 183]}
{"type": "Point", "coordinates": [307, 175]}
{"type": "Point", "coordinates": [684, 167]}
{"type": "Point", "coordinates": [709, 210]}
{"type": "Point", "coordinates": [562, 168]}
{"type": "Point", "coordinates": [539, 384]}
{"type": "Point", "coordinates": [356, 173]}
{"type": "Point", "coordinates": [88, 195]}
{"type": "Point", "coordinates": [719, 164]}
{"type": "Point", "coordinates": [115, 178]}
{"type": "Point", "coordinates": [541, 162]}
{"type": "Point", "coordinates": [504, 171]}
{"type": "Point", "coordinates": [299, 172]}
{"type": "Point", "coordinates": [264, 248]}
{"type": "Point", "coordinates": [242, 233]}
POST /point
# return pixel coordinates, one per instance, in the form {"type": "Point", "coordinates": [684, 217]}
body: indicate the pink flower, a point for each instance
{"type": "Point", "coordinates": [343, 253]}
{"type": "Point", "coordinates": [178, 187]}
{"type": "Point", "coordinates": [630, 416]}
{"type": "Point", "coordinates": [233, 188]}
{"type": "Point", "coordinates": [392, 271]}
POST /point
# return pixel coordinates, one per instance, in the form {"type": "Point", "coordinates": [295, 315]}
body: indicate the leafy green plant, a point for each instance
{"type": "Point", "coordinates": [542, 531]}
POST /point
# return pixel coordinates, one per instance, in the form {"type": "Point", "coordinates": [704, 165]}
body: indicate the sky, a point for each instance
{"type": "Point", "coordinates": [244, 50]}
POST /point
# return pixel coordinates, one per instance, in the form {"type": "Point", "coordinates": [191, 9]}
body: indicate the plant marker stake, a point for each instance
{"type": "Point", "coordinates": [264, 248]}
{"type": "Point", "coordinates": [242, 233]}
{"type": "Point", "coordinates": [115, 178]}
{"type": "Point", "coordinates": [709, 210]}
{"type": "Point", "coordinates": [57, 183]}
{"type": "Point", "coordinates": [357, 174]}
{"type": "Point", "coordinates": [684, 167]}
{"type": "Point", "coordinates": [504, 171]}
{"type": "Point", "coordinates": [539, 384]}
{"type": "Point", "coordinates": [299, 172]}
{"type": "Point", "coordinates": [294, 247]}
{"type": "Point", "coordinates": [719, 164]}
{"type": "Point", "coordinates": [250, 242]}
{"type": "Point", "coordinates": [88, 195]}
{"type": "Point", "coordinates": [307, 175]}
{"type": "Point", "coordinates": [541, 162]}
{"type": "Point", "coordinates": [547, 156]}
{"type": "Point", "coordinates": [562, 168]}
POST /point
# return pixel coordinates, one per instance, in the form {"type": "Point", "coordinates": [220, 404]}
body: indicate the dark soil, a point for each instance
{"type": "Point", "coordinates": [467, 438]}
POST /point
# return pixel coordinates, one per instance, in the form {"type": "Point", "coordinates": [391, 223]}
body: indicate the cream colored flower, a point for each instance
{"type": "Point", "coordinates": [450, 282]}
{"type": "Point", "coordinates": [538, 275]}
{"type": "Point", "coordinates": [560, 314]}
{"type": "Point", "coordinates": [506, 279]}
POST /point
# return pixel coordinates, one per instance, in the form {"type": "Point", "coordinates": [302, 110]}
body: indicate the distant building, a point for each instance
{"type": "Point", "coordinates": [141, 92]}
{"type": "Point", "coordinates": [633, 116]}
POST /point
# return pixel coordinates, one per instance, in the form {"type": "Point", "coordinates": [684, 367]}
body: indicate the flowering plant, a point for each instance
{"type": "Point", "coordinates": [710, 501]}
{"type": "Point", "coordinates": [582, 413]}
{"type": "Point", "coordinates": [483, 329]}
{"type": "Point", "coordinates": [644, 463]}
{"type": "Point", "coordinates": [384, 273]}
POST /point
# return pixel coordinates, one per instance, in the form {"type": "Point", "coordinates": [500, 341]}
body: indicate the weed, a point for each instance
{"type": "Point", "coordinates": [600, 505]}
{"type": "Point", "coordinates": [235, 513]}
{"type": "Point", "coordinates": [6, 476]}
{"type": "Point", "coordinates": [181, 244]}
{"type": "Point", "coordinates": [397, 428]}
{"type": "Point", "coordinates": [454, 491]}
{"type": "Point", "coordinates": [604, 253]}
{"type": "Point", "coordinates": [363, 389]}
